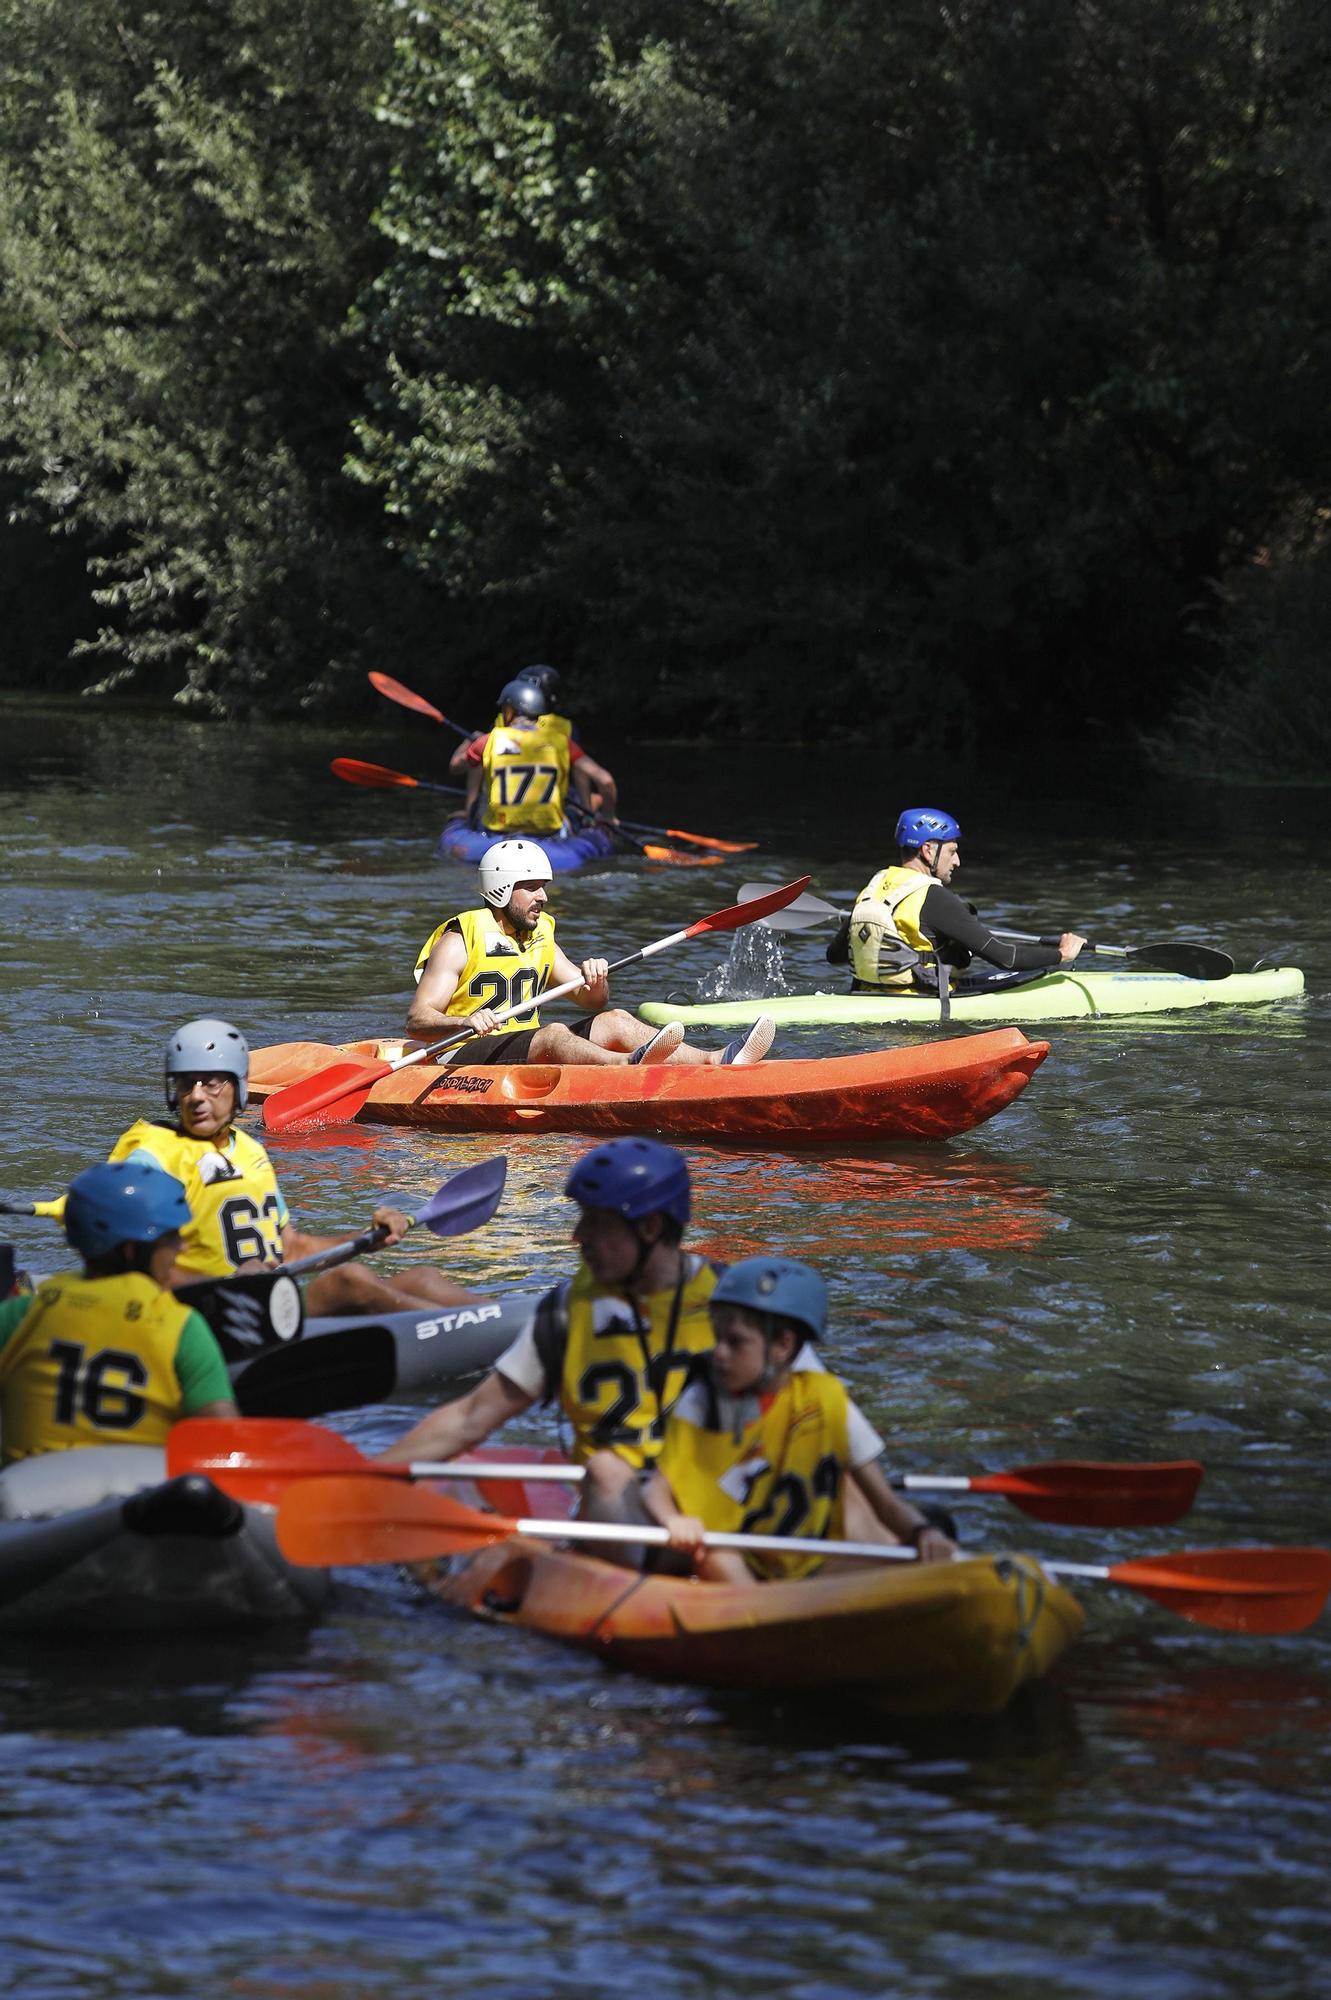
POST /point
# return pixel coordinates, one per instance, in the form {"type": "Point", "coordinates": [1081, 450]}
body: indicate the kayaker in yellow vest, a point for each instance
{"type": "Point", "coordinates": [238, 1217]}
{"type": "Point", "coordinates": [613, 1345]}
{"type": "Point", "coordinates": [755, 1445]}
{"type": "Point", "coordinates": [482, 960]}
{"type": "Point", "coordinates": [906, 918]}
{"type": "Point", "coordinates": [108, 1355]}
{"type": "Point", "coordinates": [595, 786]}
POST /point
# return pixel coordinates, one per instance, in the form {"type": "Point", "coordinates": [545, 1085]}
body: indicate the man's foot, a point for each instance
{"type": "Point", "coordinates": [662, 1044]}
{"type": "Point", "coordinates": [751, 1048]}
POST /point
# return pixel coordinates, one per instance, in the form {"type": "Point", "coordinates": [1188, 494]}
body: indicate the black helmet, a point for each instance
{"type": "Point", "coordinates": [525, 697]}
{"type": "Point", "coordinates": [545, 678]}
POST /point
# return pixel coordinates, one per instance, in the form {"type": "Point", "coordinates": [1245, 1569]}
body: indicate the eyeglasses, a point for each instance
{"type": "Point", "coordinates": [212, 1084]}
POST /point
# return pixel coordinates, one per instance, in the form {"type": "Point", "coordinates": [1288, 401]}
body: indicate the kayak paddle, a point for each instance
{"type": "Point", "coordinates": [1187, 961]}
{"type": "Point", "coordinates": [458, 1205]}
{"type": "Point", "coordinates": [355, 771]}
{"type": "Point", "coordinates": [385, 684]}
{"type": "Point", "coordinates": [1082, 1492]}
{"type": "Point", "coordinates": [395, 691]}
{"type": "Point", "coordinates": [339, 1520]}
{"type": "Point", "coordinates": [342, 1087]}
{"type": "Point", "coordinates": [256, 1458]}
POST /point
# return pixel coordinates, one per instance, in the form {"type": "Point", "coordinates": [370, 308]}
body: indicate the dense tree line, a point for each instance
{"type": "Point", "coordinates": [774, 363]}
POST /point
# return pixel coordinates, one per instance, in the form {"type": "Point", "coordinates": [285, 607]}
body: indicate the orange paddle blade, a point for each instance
{"type": "Point", "coordinates": [354, 771]}
{"type": "Point", "coordinates": [710, 840]}
{"type": "Point", "coordinates": [1099, 1495]}
{"type": "Point", "coordinates": [385, 684]}
{"type": "Point", "coordinates": [1236, 1590]}
{"type": "Point", "coordinates": [678, 859]}
{"type": "Point", "coordinates": [340, 1090]}
{"type": "Point", "coordinates": [256, 1458]}
{"type": "Point", "coordinates": [335, 1520]}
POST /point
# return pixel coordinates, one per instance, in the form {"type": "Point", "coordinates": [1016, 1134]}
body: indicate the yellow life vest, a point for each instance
{"type": "Point", "coordinates": [501, 969]}
{"type": "Point", "coordinates": [886, 916]}
{"type": "Point", "coordinates": [782, 1472]}
{"type": "Point", "coordinates": [92, 1363]}
{"type": "Point", "coordinates": [236, 1205]}
{"type": "Point", "coordinates": [525, 769]}
{"type": "Point", "coordinates": [622, 1372]}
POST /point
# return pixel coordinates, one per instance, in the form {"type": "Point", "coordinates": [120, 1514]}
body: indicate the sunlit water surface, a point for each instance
{"type": "Point", "coordinates": [1128, 1263]}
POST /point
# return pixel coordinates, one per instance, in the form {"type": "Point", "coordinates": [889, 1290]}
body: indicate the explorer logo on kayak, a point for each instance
{"type": "Point", "coordinates": [465, 1082]}
{"type": "Point", "coordinates": [426, 1329]}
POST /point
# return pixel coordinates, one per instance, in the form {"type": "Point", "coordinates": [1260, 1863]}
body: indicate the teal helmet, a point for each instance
{"type": "Point", "coordinates": [777, 1285]}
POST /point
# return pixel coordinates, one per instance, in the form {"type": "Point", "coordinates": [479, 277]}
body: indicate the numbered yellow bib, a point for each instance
{"type": "Point", "coordinates": [501, 970]}
{"type": "Point", "coordinates": [237, 1207]}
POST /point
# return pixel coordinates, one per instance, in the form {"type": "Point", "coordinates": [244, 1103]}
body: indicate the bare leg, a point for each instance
{"type": "Point", "coordinates": [354, 1288]}
{"type": "Point", "coordinates": [614, 1036]}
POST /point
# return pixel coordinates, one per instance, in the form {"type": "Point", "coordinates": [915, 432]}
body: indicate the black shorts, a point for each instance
{"type": "Point", "coordinates": [511, 1045]}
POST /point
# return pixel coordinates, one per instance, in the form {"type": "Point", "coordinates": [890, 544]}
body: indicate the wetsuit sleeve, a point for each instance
{"type": "Point", "coordinates": [945, 917]}
{"type": "Point", "coordinates": [200, 1369]}
{"type": "Point", "coordinates": [13, 1312]}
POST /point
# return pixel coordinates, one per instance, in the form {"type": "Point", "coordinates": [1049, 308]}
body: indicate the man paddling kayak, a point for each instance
{"type": "Point", "coordinates": [617, 1344]}
{"type": "Point", "coordinates": [755, 1445]}
{"type": "Point", "coordinates": [485, 959]}
{"type": "Point", "coordinates": [614, 1344]}
{"type": "Point", "coordinates": [907, 926]}
{"type": "Point", "coordinates": [108, 1355]}
{"type": "Point", "coordinates": [517, 775]}
{"type": "Point", "coordinates": [238, 1217]}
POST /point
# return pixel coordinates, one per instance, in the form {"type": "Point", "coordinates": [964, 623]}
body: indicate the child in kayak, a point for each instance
{"type": "Point", "coordinates": [109, 1355]}
{"type": "Point", "coordinates": [757, 1445]}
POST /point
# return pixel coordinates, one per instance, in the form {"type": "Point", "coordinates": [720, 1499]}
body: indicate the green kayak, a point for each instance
{"type": "Point", "coordinates": [1058, 996]}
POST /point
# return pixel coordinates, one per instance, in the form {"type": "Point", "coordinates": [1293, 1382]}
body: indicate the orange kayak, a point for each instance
{"type": "Point", "coordinates": [910, 1638]}
{"type": "Point", "coordinates": [931, 1091]}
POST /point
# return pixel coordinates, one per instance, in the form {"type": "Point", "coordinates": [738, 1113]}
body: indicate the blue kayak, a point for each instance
{"type": "Point", "coordinates": [460, 842]}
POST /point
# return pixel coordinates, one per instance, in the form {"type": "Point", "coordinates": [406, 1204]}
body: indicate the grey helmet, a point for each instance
{"type": "Point", "coordinates": [201, 1047]}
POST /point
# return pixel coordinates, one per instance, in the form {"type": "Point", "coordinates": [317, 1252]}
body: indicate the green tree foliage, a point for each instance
{"type": "Point", "coordinates": [808, 355]}
{"type": "Point", "coordinates": [184, 217]}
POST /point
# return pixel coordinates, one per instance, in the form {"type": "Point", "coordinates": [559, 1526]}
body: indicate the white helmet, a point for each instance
{"type": "Point", "coordinates": [201, 1047]}
{"type": "Point", "coordinates": [509, 862]}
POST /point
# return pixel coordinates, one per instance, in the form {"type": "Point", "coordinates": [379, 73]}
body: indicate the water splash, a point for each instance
{"type": "Point", "coordinates": [753, 970]}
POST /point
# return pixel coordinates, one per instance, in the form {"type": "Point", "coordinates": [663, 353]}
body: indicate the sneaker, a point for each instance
{"type": "Point", "coordinates": [751, 1048]}
{"type": "Point", "coordinates": [663, 1043]}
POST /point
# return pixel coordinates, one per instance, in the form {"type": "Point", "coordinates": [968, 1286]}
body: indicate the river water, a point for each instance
{"type": "Point", "coordinates": [1129, 1262]}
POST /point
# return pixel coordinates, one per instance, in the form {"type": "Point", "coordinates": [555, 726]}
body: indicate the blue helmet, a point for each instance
{"type": "Point", "coordinates": [201, 1047]}
{"type": "Point", "coordinates": [524, 696]}
{"type": "Point", "coordinates": [127, 1201]}
{"type": "Point", "coordinates": [633, 1177]}
{"type": "Point", "coordinates": [776, 1285]}
{"type": "Point", "coordinates": [920, 823]}
{"type": "Point", "coordinates": [544, 678]}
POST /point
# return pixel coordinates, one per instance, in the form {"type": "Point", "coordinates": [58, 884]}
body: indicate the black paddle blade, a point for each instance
{"type": "Point", "coordinates": [1189, 961]}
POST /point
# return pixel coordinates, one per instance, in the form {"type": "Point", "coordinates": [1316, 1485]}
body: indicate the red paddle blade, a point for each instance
{"type": "Point", "coordinates": [1236, 1590]}
{"type": "Point", "coordinates": [385, 684]}
{"type": "Point", "coordinates": [740, 914]}
{"type": "Point", "coordinates": [322, 1522]}
{"type": "Point", "coordinates": [256, 1458]}
{"type": "Point", "coordinates": [709, 840]}
{"type": "Point", "coordinates": [355, 772]}
{"type": "Point", "coordinates": [1099, 1495]}
{"type": "Point", "coordinates": [331, 1095]}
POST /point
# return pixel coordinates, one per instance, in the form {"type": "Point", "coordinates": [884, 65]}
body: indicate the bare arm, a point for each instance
{"type": "Point", "coordinates": [898, 1516]}
{"type": "Point", "coordinates": [589, 777]}
{"type": "Point", "coordinates": [426, 1015]}
{"type": "Point", "coordinates": [457, 1427]}
{"type": "Point", "coordinates": [594, 993]}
